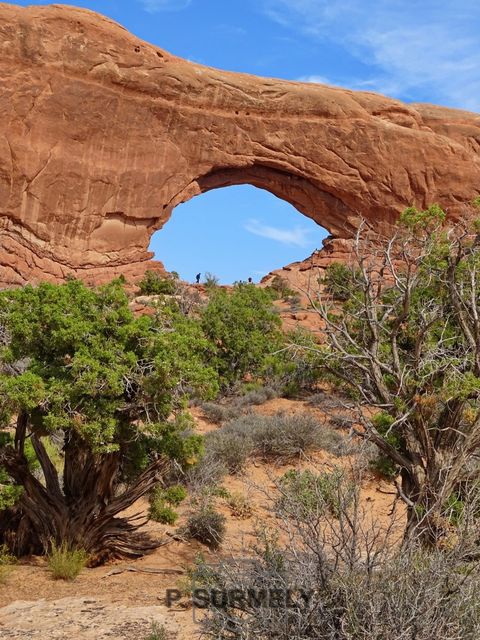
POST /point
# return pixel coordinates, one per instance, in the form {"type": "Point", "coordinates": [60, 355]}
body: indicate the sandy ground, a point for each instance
{"type": "Point", "coordinates": [120, 600]}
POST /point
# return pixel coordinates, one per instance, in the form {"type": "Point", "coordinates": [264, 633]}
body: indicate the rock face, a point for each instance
{"type": "Point", "coordinates": [81, 619]}
{"type": "Point", "coordinates": [102, 135]}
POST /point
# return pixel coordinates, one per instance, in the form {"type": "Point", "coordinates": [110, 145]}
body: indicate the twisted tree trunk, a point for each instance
{"type": "Point", "coordinates": [84, 512]}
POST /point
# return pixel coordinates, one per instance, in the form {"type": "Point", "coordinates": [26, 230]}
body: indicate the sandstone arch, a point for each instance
{"type": "Point", "coordinates": [101, 135]}
{"type": "Point", "coordinates": [307, 197]}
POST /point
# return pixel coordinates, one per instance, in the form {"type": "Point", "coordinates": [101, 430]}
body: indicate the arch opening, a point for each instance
{"type": "Point", "coordinates": [234, 231]}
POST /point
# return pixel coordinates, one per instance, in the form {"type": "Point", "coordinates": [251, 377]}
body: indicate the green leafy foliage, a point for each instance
{"type": "Point", "coordinates": [95, 369]}
{"type": "Point", "coordinates": [416, 219]}
{"type": "Point", "coordinates": [243, 330]}
{"type": "Point", "coordinates": [153, 284]}
{"type": "Point", "coordinates": [162, 502]}
{"type": "Point", "coordinates": [338, 281]}
{"type": "Point", "coordinates": [299, 366]}
{"type": "Point", "coordinates": [160, 512]}
{"type": "Point", "coordinates": [10, 492]}
{"type": "Point", "coordinates": [315, 494]}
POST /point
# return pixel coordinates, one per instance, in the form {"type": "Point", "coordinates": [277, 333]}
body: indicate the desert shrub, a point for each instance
{"type": "Point", "coordinates": [211, 280]}
{"type": "Point", "coordinates": [270, 437]}
{"type": "Point", "coordinates": [7, 560]}
{"type": "Point", "coordinates": [198, 575]}
{"type": "Point", "coordinates": [239, 504]}
{"type": "Point", "coordinates": [294, 302]}
{"type": "Point", "coordinates": [297, 368]}
{"type": "Point", "coordinates": [339, 281]}
{"type": "Point", "coordinates": [218, 413]}
{"type": "Point", "coordinates": [384, 467]}
{"type": "Point", "coordinates": [324, 400]}
{"type": "Point", "coordinates": [160, 512]}
{"type": "Point", "coordinates": [358, 581]}
{"type": "Point", "coordinates": [315, 494]}
{"type": "Point", "coordinates": [163, 501]}
{"type": "Point", "coordinates": [207, 473]}
{"type": "Point", "coordinates": [219, 491]}
{"type": "Point", "coordinates": [153, 284]}
{"type": "Point", "coordinates": [65, 563]}
{"type": "Point", "coordinates": [244, 331]}
{"type": "Point", "coordinates": [187, 299]}
{"type": "Point", "coordinates": [291, 389]}
{"type": "Point", "coordinates": [281, 287]}
{"type": "Point", "coordinates": [206, 525]}
{"type": "Point", "coordinates": [340, 422]}
{"type": "Point", "coordinates": [289, 435]}
{"type": "Point", "coordinates": [157, 632]}
{"type": "Point", "coordinates": [256, 396]}
{"type": "Point", "coordinates": [175, 495]}
{"type": "Point", "coordinates": [285, 436]}
{"type": "Point", "coordinates": [4, 573]}
{"type": "Point", "coordinates": [405, 594]}
{"type": "Point", "coordinates": [227, 446]}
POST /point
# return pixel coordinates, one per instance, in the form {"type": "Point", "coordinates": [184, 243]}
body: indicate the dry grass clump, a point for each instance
{"type": "Point", "coordinates": [157, 632]}
{"type": "Point", "coordinates": [6, 563]}
{"type": "Point", "coordinates": [219, 413]}
{"type": "Point", "coordinates": [256, 397]}
{"type": "Point", "coordinates": [281, 436]}
{"type": "Point", "coordinates": [240, 505]}
{"type": "Point", "coordinates": [228, 447]}
{"type": "Point", "coordinates": [64, 563]}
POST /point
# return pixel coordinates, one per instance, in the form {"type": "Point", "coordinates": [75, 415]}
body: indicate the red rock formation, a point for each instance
{"type": "Point", "coordinates": [102, 135]}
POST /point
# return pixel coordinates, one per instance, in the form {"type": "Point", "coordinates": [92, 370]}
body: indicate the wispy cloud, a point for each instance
{"type": "Point", "coordinates": [298, 236]}
{"type": "Point", "coordinates": [155, 6]}
{"type": "Point", "coordinates": [383, 85]}
{"type": "Point", "coordinates": [411, 47]}
{"type": "Point", "coordinates": [314, 79]}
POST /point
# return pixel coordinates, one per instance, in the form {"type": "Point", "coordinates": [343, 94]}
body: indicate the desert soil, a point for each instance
{"type": "Point", "coordinates": [122, 599]}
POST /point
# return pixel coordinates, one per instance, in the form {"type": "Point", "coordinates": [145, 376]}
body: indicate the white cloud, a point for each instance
{"type": "Point", "coordinates": [314, 79]}
{"type": "Point", "coordinates": [412, 47]}
{"type": "Point", "coordinates": [154, 6]}
{"type": "Point", "coordinates": [297, 236]}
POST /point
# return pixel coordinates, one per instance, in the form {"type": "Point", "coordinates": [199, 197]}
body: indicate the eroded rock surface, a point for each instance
{"type": "Point", "coordinates": [102, 135]}
{"type": "Point", "coordinates": [80, 619]}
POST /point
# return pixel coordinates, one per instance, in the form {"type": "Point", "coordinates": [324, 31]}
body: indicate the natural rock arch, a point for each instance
{"type": "Point", "coordinates": [102, 134]}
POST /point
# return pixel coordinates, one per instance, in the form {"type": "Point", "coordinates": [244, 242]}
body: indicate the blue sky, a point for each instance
{"type": "Point", "coordinates": [415, 50]}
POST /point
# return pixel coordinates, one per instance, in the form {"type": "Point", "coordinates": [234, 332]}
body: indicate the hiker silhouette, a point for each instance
{"type": "Point", "coordinates": [197, 278]}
